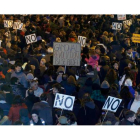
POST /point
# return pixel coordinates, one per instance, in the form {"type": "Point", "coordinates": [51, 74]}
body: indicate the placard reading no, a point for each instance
{"type": "Point", "coordinates": [116, 26]}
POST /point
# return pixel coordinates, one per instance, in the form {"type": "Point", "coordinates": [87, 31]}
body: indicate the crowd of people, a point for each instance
{"type": "Point", "coordinates": [110, 66]}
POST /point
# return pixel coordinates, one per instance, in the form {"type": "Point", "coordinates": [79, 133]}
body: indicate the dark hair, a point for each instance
{"type": "Point", "coordinates": [43, 97]}
{"type": "Point", "coordinates": [17, 123]}
{"type": "Point", "coordinates": [30, 92]}
{"type": "Point", "coordinates": [86, 98]}
{"type": "Point", "coordinates": [57, 86]}
{"type": "Point", "coordinates": [17, 100]}
{"type": "Point", "coordinates": [13, 80]}
{"type": "Point", "coordinates": [124, 93]}
{"type": "Point", "coordinates": [129, 114]}
{"type": "Point", "coordinates": [111, 76]}
{"type": "Point", "coordinates": [64, 77]}
{"type": "Point", "coordinates": [18, 65]}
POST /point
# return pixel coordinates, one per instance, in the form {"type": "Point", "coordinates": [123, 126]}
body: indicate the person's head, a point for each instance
{"type": "Point", "coordinates": [35, 115]}
{"type": "Point", "coordinates": [127, 71]}
{"type": "Point", "coordinates": [34, 84]}
{"type": "Point", "coordinates": [43, 97]}
{"type": "Point", "coordinates": [14, 81]}
{"type": "Point", "coordinates": [130, 116]}
{"type": "Point", "coordinates": [124, 93]}
{"type": "Point", "coordinates": [129, 50]}
{"type": "Point", "coordinates": [17, 100]}
{"type": "Point", "coordinates": [86, 98]}
{"type": "Point", "coordinates": [30, 92]}
{"type": "Point", "coordinates": [63, 120]}
{"type": "Point", "coordinates": [42, 61]}
{"type": "Point", "coordinates": [111, 76]}
{"type": "Point", "coordinates": [89, 82]}
{"type": "Point", "coordinates": [71, 80]}
{"type": "Point", "coordinates": [56, 88]}
{"type": "Point", "coordinates": [30, 77]}
{"type": "Point", "coordinates": [18, 67]}
{"type": "Point", "coordinates": [105, 87]}
{"type": "Point", "coordinates": [97, 50]}
{"type": "Point", "coordinates": [115, 65]}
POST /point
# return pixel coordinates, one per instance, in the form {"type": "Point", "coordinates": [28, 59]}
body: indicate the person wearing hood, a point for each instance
{"type": "Point", "coordinates": [20, 75]}
{"type": "Point", "coordinates": [89, 112]}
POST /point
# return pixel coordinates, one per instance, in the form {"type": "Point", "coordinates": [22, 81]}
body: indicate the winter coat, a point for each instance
{"type": "Point", "coordinates": [45, 111]}
{"type": "Point", "coordinates": [14, 112]}
{"type": "Point", "coordinates": [93, 60]}
{"type": "Point", "coordinates": [22, 78]}
{"type": "Point", "coordinates": [5, 107]}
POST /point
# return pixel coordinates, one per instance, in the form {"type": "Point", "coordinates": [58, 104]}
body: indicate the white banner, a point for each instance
{"type": "Point", "coordinates": [30, 38]}
{"type": "Point", "coordinates": [68, 54]}
{"type": "Point", "coordinates": [121, 17]}
{"type": "Point", "coordinates": [82, 40]}
{"type": "Point", "coordinates": [18, 25]}
{"type": "Point", "coordinates": [116, 26]}
{"type": "Point", "coordinates": [128, 22]}
{"type": "Point", "coordinates": [8, 23]}
{"type": "Point", "coordinates": [65, 102]}
{"type": "Point", "coordinates": [111, 104]}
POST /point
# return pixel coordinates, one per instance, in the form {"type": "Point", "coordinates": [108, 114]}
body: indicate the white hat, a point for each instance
{"type": "Point", "coordinates": [30, 76]}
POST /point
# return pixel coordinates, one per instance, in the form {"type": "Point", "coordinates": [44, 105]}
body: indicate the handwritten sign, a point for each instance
{"type": "Point", "coordinates": [68, 54]}
{"type": "Point", "coordinates": [136, 38]}
{"type": "Point", "coordinates": [8, 23]}
{"type": "Point", "coordinates": [121, 17]}
{"type": "Point", "coordinates": [82, 40]}
{"type": "Point", "coordinates": [30, 38]}
{"type": "Point", "coordinates": [116, 26]}
{"type": "Point", "coordinates": [128, 22]}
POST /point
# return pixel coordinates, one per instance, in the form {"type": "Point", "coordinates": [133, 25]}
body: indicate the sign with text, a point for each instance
{"type": "Point", "coordinates": [121, 17]}
{"type": "Point", "coordinates": [82, 40]}
{"type": "Point", "coordinates": [8, 23]}
{"type": "Point", "coordinates": [68, 54]}
{"type": "Point", "coordinates": [18, 25]}
{"type": "Point", "coordinates": [111, 104]}
{"type": "Point", "coordinates": [116, 26]}
{"type": "Point", "coordinates": [30, 38]}
{"type": "Point", "coordinates": [65, 102]}
{"type": "Point", "coordinates": [128, 22]}
{"type": "Point", "coordinates": [136, 38]}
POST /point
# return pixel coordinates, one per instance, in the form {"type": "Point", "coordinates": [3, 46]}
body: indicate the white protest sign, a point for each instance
{"type": "Point", "coordinates": [68, 54]}
{"type": "Point", "coordinates": [30, 38]}
{"type": "Point", "coordinates": [111, 104]}
{"type": "Point", "coordinates": [128, 22]}
{"type": "Point", "coordinates": [121, 17]}
{"type": "Point", "coordinates": [18, 25]}
{"type": "Point", "coordinates": [65, 102]}
{"type": "Point", "coordinates": [82, 40]}
{"type": "Point", "coordinates": [8, 23]}
{"type": "Point", "coordinates": [116, 26]}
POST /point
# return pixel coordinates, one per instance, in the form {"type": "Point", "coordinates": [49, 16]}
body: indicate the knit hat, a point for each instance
{"type": "Point", "coordinates": [61, 69]}
{"type": "Point", "coordinates": [62, 120]}
{"type": "Point", "coordinates": [30, 76]}
{"type": "Point", "coordinates": [105, 84]}
{"type": "Point", "coordinates": [128, 82]}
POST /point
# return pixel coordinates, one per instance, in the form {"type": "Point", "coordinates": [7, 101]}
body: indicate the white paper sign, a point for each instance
{"type": "Point", "coordinates": [68, 54]}
{"type": "Point", "coordinates": [65, 102]}
{"type": "Point", "coordinates": [128, 22]}
{"type": "Point", "coordinates": [82, 40]}
{"type": "Point", "coordinates": [111, 104]}
{"type": "Point", "coordinates": [121, 17]}
{"type": "Point", "coordinates": [116, 26]}
{"type": "Point", "coordinates": [18, 25]}
{"type": "Point", "coordinates": [30, 38]}
{"type": "Point", "coordinates": [8, 23]}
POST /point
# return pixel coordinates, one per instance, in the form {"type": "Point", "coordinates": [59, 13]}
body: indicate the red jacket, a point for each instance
{"type": "Point", "coordinates": [14, 112]}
